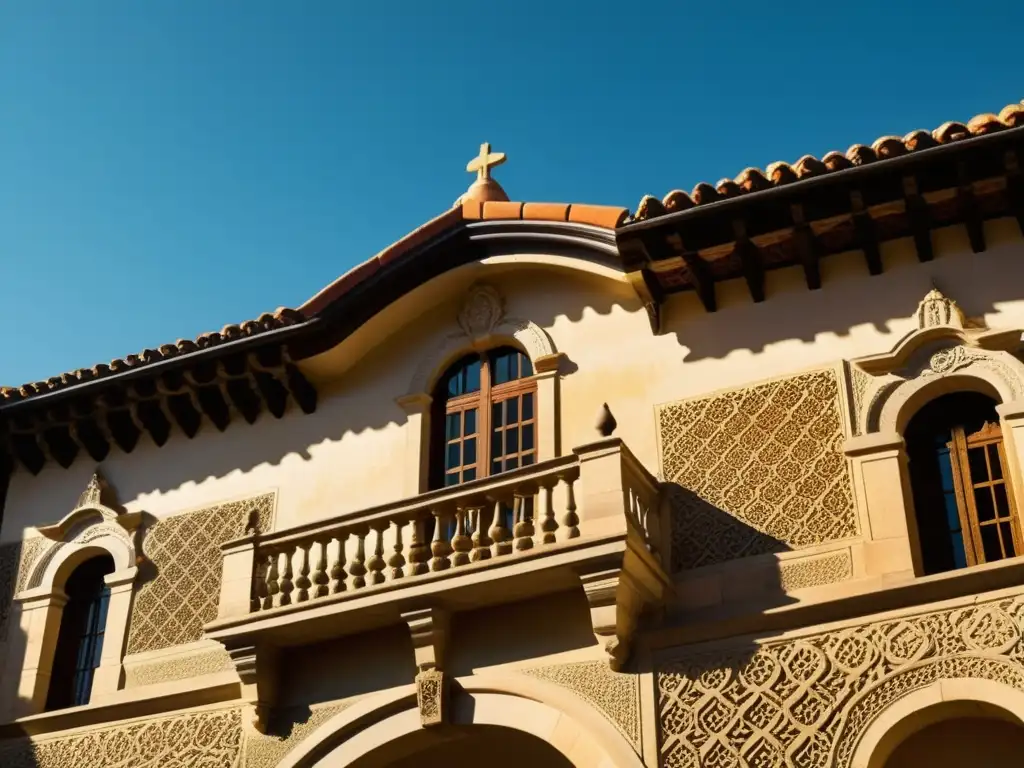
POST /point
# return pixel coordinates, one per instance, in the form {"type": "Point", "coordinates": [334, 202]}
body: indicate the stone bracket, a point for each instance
{"type": "Point", "coordinates": [429, 628]}
{"type": "Point", "coordinates": [257, 668]}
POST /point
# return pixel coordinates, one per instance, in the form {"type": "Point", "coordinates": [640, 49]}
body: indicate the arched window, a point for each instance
{"type": "Point", "coordinates": [963, 499]}
{"type": "Point", "coordinates": [485, 418]}
{"type": "Point", "coordinates": [80, 640]}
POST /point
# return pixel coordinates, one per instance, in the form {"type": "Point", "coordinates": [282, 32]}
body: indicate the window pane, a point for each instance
{"type": "Point", "coordinates": [512, 463]}
{"type": "Point", "coordinates": [976, 458]}
{"type": "Point", "coordinates": [528, 406]}
{"type": "Point", "coordinates": [1007, 534]}
{"type": "Point", "coordinates": [496, 444]}
{"type": "Point", "coordinates": [502, 368]}
{"type": "Point", "coordinates": [990, 543]}
{"type": "Point", "coordinates": [452, 460]}
{"type": "Point", "coordinates": [959, 553]}
{"type": "Point", "coordinates": [496, 467]}
{"type": "Point", "coordinates": [469, 451]}
{"type": "Point", "coordinates": [496, 411]}
{"type": "Point", "coordinates": [945, 469]}
{"type": "Point", "coordinates": [451, 427]}
{"type": "Point", "coordinates": [528, 437]}
{"type": "Point", "coordinates": [983, 503]}
{"type": "Point", "coordinates": [1002, 504]}
{"type": "Point", "coordinates": [469, 474]}
{"type": "Point", "coordinates": [527, 459]}
{"type": "Point", "coordinates": [993, 460]}
{"type": "Point", "coordinates": [452, 478]}
{"type": "Point", "coordinates": [527, 366]}
{"type": "Point", "coordinates": [472, 377]}
{"type": "Point", "coordinates": [512, 410]}
{"type": "Point", "coordinates": [511, 441]}
{"type": "Point", "coordinates": [470, 422]}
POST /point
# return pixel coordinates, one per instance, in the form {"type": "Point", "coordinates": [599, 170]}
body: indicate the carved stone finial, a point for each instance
{"type": "Point", "coordinates": [483, 309]}
{"type": "Point", "coordinates": [484, 188]}
{"type": "Point", "coordinates": [606, 423]}
{"type": "Point", "coordinates": [937, 310]}
{"type": "Point", "coordinates": [96, 493]}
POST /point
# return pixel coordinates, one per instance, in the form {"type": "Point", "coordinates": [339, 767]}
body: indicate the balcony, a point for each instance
{"type": "Point", "coordinates": [593, 517]}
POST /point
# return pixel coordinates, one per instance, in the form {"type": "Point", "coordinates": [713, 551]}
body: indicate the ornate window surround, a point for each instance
{"type": "Point", "coordinates": [482, 325]}
{"type": "Point", "coordinates": [943, 355]}
{"type": "Point", "coordinates": [94, 527]}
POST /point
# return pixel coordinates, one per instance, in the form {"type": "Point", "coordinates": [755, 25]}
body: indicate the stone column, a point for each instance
{"type": "Point", "coordinates": [109, 675]}
{"type": "Point", "coordinates": [1011, 420]}
{"type": "Point", "coordinates": [600, 490]}
{"type": "Point", "coordinates": [415, 465]}
{"type": "Point", "coordinates": [549, 442]}
{"type": "Point", "coordinates": [236, 587]}
{"type": "Point", "coordinates": [41, 611]}
{"type": "Point", "coordinates": [881, 481]}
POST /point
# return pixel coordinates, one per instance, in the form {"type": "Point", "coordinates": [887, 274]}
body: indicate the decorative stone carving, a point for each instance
{"type": "Point", "coordinates": [614, 694]}
{"type": "Point", "coordinates": [177, 668]}
{"type": "Point", "coordinates": [935, 309]}
{"type": "Point", "coordinates": [16, 559]}
{"type": "Point", "coordinates": [287, 729]}
{"type": "Point", "coordinates": [171, 607]}
{"type": "Point", "coordinates": [482, 311]}
{"type": "Point", "coordinates": [807, 701]}
{"type": "Point", "coordinates": [430, 628]}
{"type": "Point", "coordinates": [96, 500]}
{"type": "Point", "coordinates": [816, 571]}
{"type": "Point", "coordinates": [757, 470]}
{"type": "Point", "coordinates": [193, 740]}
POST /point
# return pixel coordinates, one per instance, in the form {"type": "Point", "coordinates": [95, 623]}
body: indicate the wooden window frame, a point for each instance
{"type": "Point", "coordinates": [482, 400]}
{"type": "Point", "coordinates": [965, 486]}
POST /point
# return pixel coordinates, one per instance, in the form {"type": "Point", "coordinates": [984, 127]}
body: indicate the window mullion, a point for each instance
{"type": "Point", "coordinates": [483, 457]}
{"type": "Point", "coordinates": [971, 534]}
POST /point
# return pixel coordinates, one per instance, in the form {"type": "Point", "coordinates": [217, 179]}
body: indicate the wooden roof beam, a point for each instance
{"type": "Point", "coordinates": [920, 224]}
{"type": "Point", "coordinates": [28, 451]}
{"type": "Point", "coordinates": [90, 436]}
{"type": "Point", "coordinates": [123, 428]}
{"type": "Point", "coordinates": [867, 236]}
{"type": "Point", "coordinates": [807, 247]}
{"type": "Point", "coordinates": [300, 388]}
{"type": "Point", "coordinates": [185, 412]}
{"type": "Point", "coordinates": [273, 392]}
{"type": "Point", "coordinates": [1015, 186]}
{"type": "Point", "coordinates": [750, 260]}
{"type": "Point", "coordinates": [700, 272]}
{"type": "Point", "coordinates": [151, 415]}
{"type": "Point", "coordinates": [969, 211]}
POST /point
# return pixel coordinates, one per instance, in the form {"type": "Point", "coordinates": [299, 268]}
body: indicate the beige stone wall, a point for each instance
{"type": "Point", "coordinates": [807, 698]}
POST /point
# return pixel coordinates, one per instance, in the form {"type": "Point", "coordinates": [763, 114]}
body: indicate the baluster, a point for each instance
{"type": "Point", "coordinates": [440, 547]}
{"type": "Point", "coordinates": [338, 574]}
{"type": "Point", "coordinates": [320, 572]}
{"type": "Point", "coordinates": [570, 522]}
{"type": "Point", "coordinates": [376, 562]}
{"type": "Point", "coordinates": [419, 552]}
{"type": "Point", "coordinates": [303, 582]}
{"type": "Point", "coordinates": [523, 528]}
{"type": "Point", "coordinates": [499, 533]}
{"type": "Point", "coordinates": [548, 523]}
{"type": "Point", "coordinates": [357, 570]}
{"type": "Point", "coordinates": [270, 586]}
{"type": "Point", "coordinates": [461, 542]}
{"type": "Point", "coordinates": [397, 559]}
{"type": "Point", "coordinates": [481, 541]}
{"type": "Point", "coordinates": [286, 578]}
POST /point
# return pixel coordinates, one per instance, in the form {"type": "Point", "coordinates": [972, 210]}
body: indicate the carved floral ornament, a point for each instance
{"type": "Point", "coordinates": [943, 345]}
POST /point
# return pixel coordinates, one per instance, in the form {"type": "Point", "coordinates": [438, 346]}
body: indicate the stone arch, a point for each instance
{"type": "Point", "coordinates": [572, 727]}
{"type": "Point", "coordinates": [958, 680]}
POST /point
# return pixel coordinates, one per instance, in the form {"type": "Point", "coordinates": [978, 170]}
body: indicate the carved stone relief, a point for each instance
{"type": "Point", "coordinates": [287, 729]}
{"type": "Point", "coordinates": [615, 694]}
{"type": "Point", "coordinates": [809, 701]}
{"type": "Point", "coordinates": [756, 470]}
{"type": "Point", "coordinates": [16, 559]}
{"type": "Point", "coordinates": [816, 571]}
{"type": "Point", "coordinates": [193, 740]}
{"type": "Point", "coordinates": [177, 668]}
{"type": "Point", "coordinates": [180, 595]}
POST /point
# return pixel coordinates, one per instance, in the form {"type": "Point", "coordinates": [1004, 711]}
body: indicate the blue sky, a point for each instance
{"type": "Point", "coordinates": [170, 166]}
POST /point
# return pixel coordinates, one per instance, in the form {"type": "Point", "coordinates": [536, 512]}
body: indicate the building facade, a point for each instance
{"type": "Point", "coordinates": [731, 480]}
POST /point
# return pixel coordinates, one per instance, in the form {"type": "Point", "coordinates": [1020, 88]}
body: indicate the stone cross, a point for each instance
{"type": "Point", "coordinates": [483, 162]}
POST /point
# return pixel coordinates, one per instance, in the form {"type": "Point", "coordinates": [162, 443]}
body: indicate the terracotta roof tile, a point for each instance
{"type": "Point", "coordinates": [884, 148]}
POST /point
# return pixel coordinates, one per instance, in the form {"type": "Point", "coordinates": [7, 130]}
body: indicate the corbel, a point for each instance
{"type": "Point", "coordinates": [257, 668]}
{"type": "Point", "coordinates": [429, 628]}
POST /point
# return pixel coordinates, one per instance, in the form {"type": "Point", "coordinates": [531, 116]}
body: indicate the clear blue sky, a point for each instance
{"type": "Point", "coordinates": [169, 166]}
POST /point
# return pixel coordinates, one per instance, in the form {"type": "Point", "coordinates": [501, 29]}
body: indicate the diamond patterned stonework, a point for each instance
{"type": "Point", "coordinates": [808, 701]}
{"type": "Point", "coordinates": [757, 470]}
{"type": "Point", "coordinates": [171, 607]}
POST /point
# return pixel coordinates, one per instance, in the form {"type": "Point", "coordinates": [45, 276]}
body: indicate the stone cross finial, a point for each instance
{"type": "Point", "coordinates": [483, 162]}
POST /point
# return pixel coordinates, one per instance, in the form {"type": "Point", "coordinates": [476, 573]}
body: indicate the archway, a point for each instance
{"type": "Point", "coordinates": [980, 742]}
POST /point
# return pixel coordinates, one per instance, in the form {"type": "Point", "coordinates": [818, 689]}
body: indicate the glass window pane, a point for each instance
{"type": "Point", "coordinates": [502, 368]}
{"type": "Point", "coordinates": [983, 503]}
{"type": "Point", "coordinates": [528, 437]}
{"type": "Point", "coordinates": [527, 459]}
{"type": "Point", "coordinates": [496, 444]}
{"type": "Point", "coordinates": [976, 458]}
{"type": "Point", "coordinates": [990, 543]}
{"type": "Point", "coordinates": [455, 384]}
{"type": "Point", "coordinates": [496, 467]}
{"type": "Point", "coordinates": [472, 378]}
{"type": "Point", "coordinates": [511, 441]}
{"type": "Point", "coordinates": [512, 463]}
{"type": "Point", "coordinates": [451, 427]}
{"type": "Point", "coordinates": [528, 406]}
{"type": "Point", "coordinates": [496, 411]}
{"type": "Point", "coordinates": [1002, 503]}
{"type": "Point", "coordinates": [527, 366]}
{"type": "Point", "coordinates": [469, 474]}
{"type": "Point", "coordinates": [956, 540]}
{"type": "Point", "coordinates": [945, 469]}
{"type": "Point", "coordinates": [452, 478]}
{"type": "Point", "coordinates": [452, 459]}
{"type": "Point", "coordinates": [512, 410]}
{"type": "Point", "coordinates": [470, 426]}
{"type": "Point", "coordinates": [994, 463]}
{"type": "Point", "coordinates": [1007, 533]}
{"type": "Point", "coordinates": [469, 451]}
